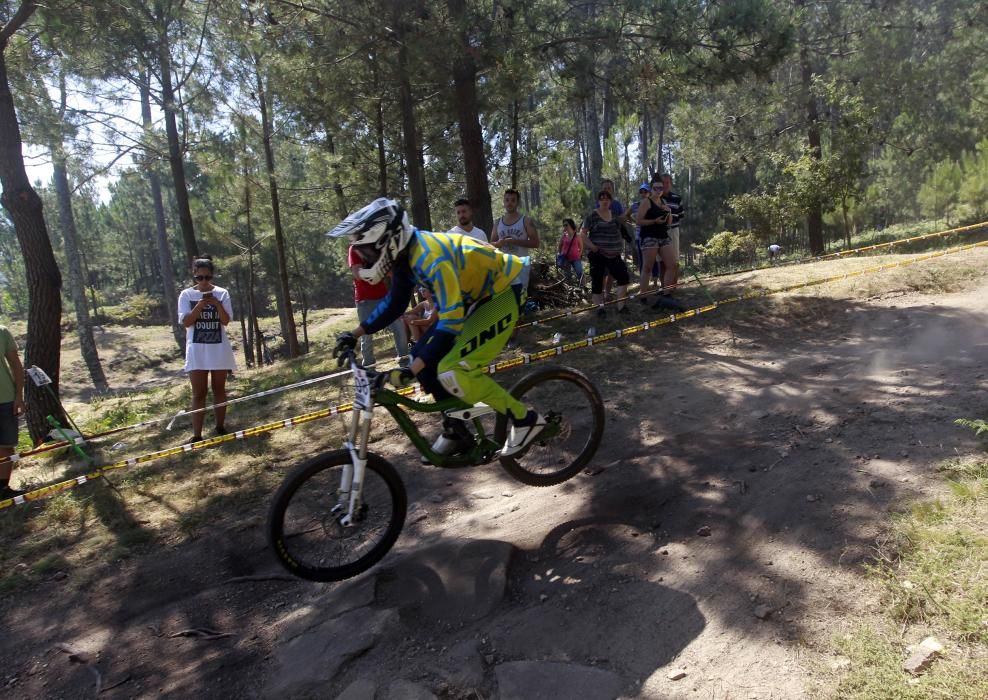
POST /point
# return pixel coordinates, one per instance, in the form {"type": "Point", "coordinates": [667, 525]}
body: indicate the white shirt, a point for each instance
{"type": "Point", "coordinates": [207, 345]}
{"type": "Point", "coordinates": [774, 248]}
{"type": "Point", "coordinates": [475, 232]}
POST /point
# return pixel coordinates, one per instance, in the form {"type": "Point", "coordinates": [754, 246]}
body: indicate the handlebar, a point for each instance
{"type": "Point", "coordinates": [377, 378]}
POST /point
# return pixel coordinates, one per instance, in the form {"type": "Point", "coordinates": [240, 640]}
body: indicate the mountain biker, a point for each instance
{"type": "Point", "coordinates": [477, 302]}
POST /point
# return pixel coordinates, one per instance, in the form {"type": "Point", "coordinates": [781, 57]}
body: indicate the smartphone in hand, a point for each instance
{"type": "Point", "coordinates": [207, 295]}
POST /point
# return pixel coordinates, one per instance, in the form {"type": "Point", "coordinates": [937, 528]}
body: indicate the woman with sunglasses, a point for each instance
{"type": "Point", "coordinates": [205, 310]}
{"type": "Point", "coordinates": [654, 218]}
{"type": "Point", "coordinates": [601, 234]}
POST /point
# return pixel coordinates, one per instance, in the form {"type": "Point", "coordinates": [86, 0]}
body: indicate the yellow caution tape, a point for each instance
{"type": "Point", "coordinates": [801, 261]}
{"type": "Point", "coordinates": [524, 359]}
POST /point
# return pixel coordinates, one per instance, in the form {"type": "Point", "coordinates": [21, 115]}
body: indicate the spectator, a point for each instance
{"type": "Point", "coordinates": [607, 185]}
{"type": "Point", "coordinates": [367, 296]}
{"type": "Point", "coordinates": [205, 310]}
{"type": "Point", "coordinates": [464, 218]}
{"type": "Point", "coordinates": [774, 251]}
{"type": "Point", "coordinates": [422, 316]}
{"type": "Point", "coordinates": [653, 217]}
{"type": "Point", "coordinates": [515, 234]}
{"type": "Point", "coordinates": [636, 250]}
{"type": "Point", "coordinates": [675, 204]}
{"type": "Point", "coordinates": [602, 239]}
{"type": "Point", "coordinates": [11, 408]}
{"type": "Point", "coordinates": [617, 209]}
{"type": "Point", "coordinates": [570, 251]}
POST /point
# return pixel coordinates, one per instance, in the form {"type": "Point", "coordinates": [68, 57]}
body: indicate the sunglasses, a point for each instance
{"type": "Point", "coordinates": [202, 278]}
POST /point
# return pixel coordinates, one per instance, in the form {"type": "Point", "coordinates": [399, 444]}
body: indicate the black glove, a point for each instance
{"type": "Point", "coordinates": [345, 343]}
{"type": "Point", "coordinates": [401, 377]}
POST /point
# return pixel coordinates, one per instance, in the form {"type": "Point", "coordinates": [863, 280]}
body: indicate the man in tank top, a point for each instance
{"type": "Point", "coordinates": [514, 233]}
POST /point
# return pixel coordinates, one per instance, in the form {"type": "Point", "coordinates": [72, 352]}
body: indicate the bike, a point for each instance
{"type": "Point", "coordinates": [338, 514]}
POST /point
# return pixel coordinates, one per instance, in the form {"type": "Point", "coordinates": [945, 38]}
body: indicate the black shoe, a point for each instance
{"type": "Point", "coordinates": [664, 302]}
{"type": "Point", "coordinates": [602, 312]}
{"type": "Point", "coordinates": [642, 299]}
{"type": "Point", "coordinates": [7, 492]}
{"type": "Point", "coordinates": [455, 439]}
{"type": "Point", "coordinates": [221, 430]}
{"type": "Point", "coordinates": [194, 438]}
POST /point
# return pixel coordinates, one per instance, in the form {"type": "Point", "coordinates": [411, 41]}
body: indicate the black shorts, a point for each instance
{"type": "Point", "coordinates": [8, 425]}
{"type": "Point", "coordinates": [601, 266]}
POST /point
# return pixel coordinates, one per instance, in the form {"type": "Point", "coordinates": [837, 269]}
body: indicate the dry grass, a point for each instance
{"type": "Point", "coordinates": [171, 500]}
{"type": "Point", "coordinates": [932, 570]}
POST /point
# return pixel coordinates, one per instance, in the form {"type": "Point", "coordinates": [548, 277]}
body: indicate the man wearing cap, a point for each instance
{"type": "Point", "coordinates": [675, 203]}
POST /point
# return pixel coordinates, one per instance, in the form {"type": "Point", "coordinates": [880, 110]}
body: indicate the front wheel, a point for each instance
{"type": "Point", "coordinates": [305, 526]}
{"type": "Point", "coordinates": [574, 412]}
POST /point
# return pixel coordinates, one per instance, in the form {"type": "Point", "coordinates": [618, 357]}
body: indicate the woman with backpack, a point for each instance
{"type": "Point", "coordinates": [570, 253]}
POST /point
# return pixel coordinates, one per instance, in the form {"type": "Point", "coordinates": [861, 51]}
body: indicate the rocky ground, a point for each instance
{"type": "Point", "coordinates": [712, 550]}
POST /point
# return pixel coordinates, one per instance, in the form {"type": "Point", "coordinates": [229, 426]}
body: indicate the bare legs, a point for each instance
{"type": "Point", "coordinates": [648, 262]}
{"type": "Point", "coordinates": [668, 256]}
{"type": "Point", "coordinates": [200, 381]}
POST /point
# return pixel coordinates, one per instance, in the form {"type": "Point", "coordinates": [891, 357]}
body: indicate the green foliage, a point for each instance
{"type": "Point", "coordinates": [980, 427]}
{"type": "Point", "coordinates": [940, 194]}
{"type": "Point", "coordinates": [728, 248]}
{"type": "Point", "coordinates": [974, 187]}
{"type": "Point", "coordinates": [137, 310]}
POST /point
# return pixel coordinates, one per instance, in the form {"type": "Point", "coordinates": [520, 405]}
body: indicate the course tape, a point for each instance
{"type": "Point", "coordinates": [854, 251]}
{"type": "Point", "coordinates": [82, 440]}
{"type": "Point", "coordinates": [528, 358]}
{"type": "Point", "coordinates": [542, 321]}
{"type": "Point", "coordinates": [525, 359]}
{"type": "Point", "coordinates": [188, 447]}
{"type": "Point", "coordinates": [801, 261]}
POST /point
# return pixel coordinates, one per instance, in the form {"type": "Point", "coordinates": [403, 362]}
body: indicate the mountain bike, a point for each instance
{"type": "Point", "coordinates": [338, 514]}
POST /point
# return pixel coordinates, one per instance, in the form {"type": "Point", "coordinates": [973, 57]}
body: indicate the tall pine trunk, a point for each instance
{"type": "Point", "coordinates": [382, 153]}
{"type": "Point", "coordinates": [23, 205]}
{"type": "Point", "coordinates": [468, 116]}
{"type": "Point", "coordinates": [661, 144]}
{"type": "Point", "coordinates": [255, 327]}
{"type": "Point", "coordinates": [814, 217]}
{"type": "Point", "coordinates": [165, 263]}
{"type": "Point", "coordinates": [245, 331]}
{"type": "Point", "coordinates": [175, 160]}
{"type": "Point", "coordinates": [513, 148]}
{"type": "Point", "coordinates": [288, 330]}
{"type": "Point", "coordinates": [410, 140]}
{"type": "Point", "coordinates": [595, 154]}
{"type": "Point", "coordinates": [341, 209]}
{"type": "Point", "coordinates": [77, 289]}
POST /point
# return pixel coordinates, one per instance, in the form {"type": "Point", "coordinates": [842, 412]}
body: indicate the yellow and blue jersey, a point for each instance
{"type": "Point", "coordinates": [458, 270]}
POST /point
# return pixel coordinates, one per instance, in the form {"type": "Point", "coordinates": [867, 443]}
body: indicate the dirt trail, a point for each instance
{"type": "Point", "coordinates": [787, 435]}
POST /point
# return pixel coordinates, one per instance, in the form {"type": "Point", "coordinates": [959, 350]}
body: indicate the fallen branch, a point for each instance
{"type": "Point", "coordinates": [260, 577]}
{"type": "Point", "coordinates": [118, 683]}
{"type": "Point", "coordinates": [203, 633]}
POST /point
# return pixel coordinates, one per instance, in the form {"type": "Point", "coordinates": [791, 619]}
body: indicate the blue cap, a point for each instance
{"type": "Point", "coordinates": [644, 186]}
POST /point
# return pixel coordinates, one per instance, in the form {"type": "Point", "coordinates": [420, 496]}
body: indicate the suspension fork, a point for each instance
{"type": "Point", "coordinates": [352, 481]}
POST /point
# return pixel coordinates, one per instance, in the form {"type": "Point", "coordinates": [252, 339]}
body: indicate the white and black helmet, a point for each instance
{"type": "Point", "coordinates": [379, 231]}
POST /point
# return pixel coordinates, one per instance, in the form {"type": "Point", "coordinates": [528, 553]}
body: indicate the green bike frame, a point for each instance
{"type": "Point", "coordinates": [482, 452]}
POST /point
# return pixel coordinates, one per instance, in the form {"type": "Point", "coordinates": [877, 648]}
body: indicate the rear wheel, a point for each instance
{"type": "Point", "coordinates": [574, 413]}
{"type": "Point", "coordinates": [304, 524]}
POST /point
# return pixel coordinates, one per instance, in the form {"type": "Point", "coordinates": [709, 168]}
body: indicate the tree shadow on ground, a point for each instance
{"type": "Point", "coordinates": [785, 440]}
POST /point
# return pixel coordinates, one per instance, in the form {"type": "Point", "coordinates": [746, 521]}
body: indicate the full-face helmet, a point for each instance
{"type": "Point", "coordinates": [379, 232]}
